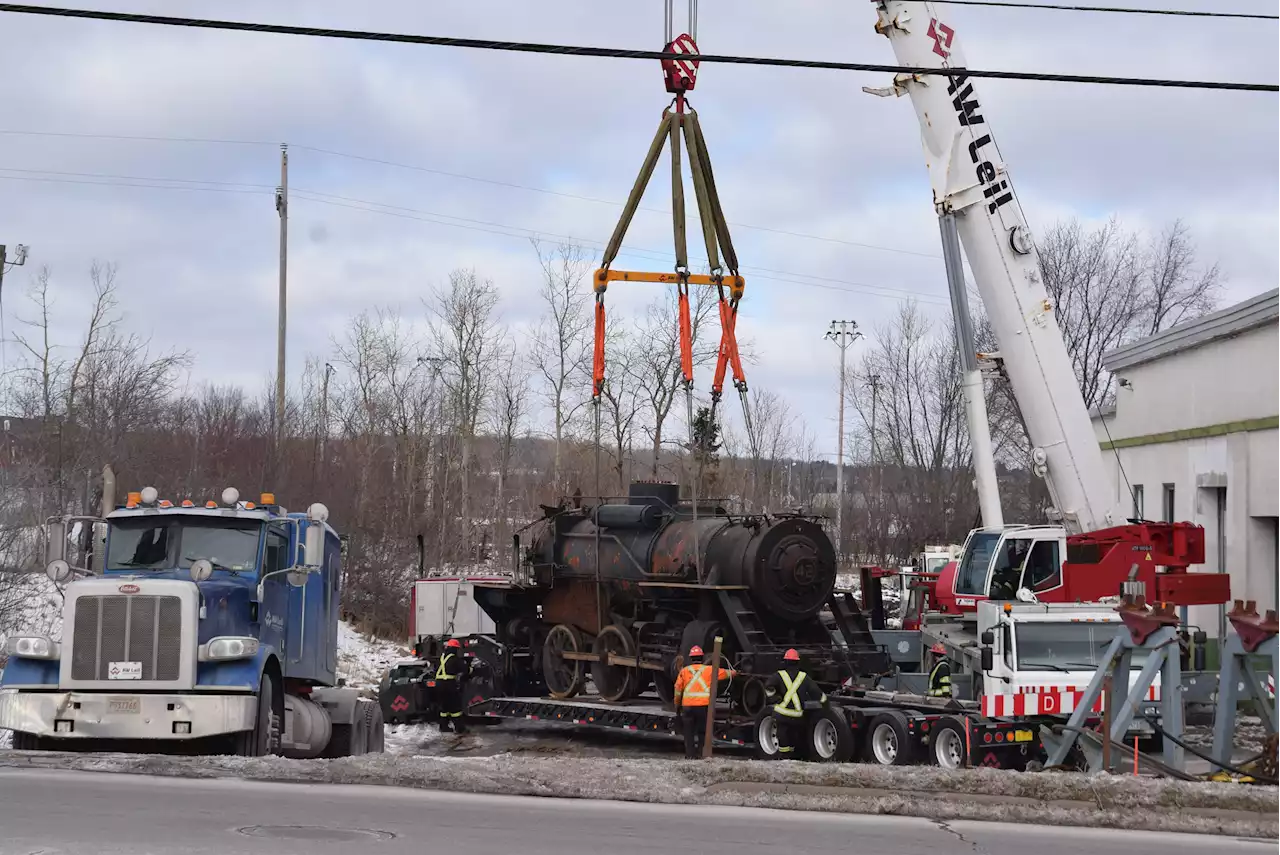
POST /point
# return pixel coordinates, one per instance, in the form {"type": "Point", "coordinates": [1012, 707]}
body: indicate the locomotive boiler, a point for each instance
{"type": "Point", "coordinates": [616, 591]}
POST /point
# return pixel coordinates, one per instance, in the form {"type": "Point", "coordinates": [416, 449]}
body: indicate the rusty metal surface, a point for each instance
{"type": "Point", "coordinates": [572, 602]}
{"type": "Point", "coordinates": [1141, 620]}
{"type": "Point", "coordinates": [1252, 628]}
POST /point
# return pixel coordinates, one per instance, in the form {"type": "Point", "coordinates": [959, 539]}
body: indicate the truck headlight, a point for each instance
{"type": "Point", "coordinates": [32, 647]}
{"type": "Point", "coordinates": [228, 647]}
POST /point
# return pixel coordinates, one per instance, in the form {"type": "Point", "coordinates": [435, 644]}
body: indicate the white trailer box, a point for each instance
{"type": "Point", "coordinates": [446, 606]}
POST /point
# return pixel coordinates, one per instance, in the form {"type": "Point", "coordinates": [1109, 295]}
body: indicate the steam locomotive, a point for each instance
{"type": "Point", "coordinates": [617, 591]}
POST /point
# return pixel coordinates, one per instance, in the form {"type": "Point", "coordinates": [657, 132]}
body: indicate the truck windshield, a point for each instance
{"type": "Point", "coordinates": [1066, 646]}
{"type": "Point", "coordinates": [151, 543]}
{"type": "Point", "coordinates": [972, 576]}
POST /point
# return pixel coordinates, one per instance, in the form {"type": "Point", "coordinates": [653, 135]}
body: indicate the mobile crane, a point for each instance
{"type": "Point", "coordinates": [1089, 550]}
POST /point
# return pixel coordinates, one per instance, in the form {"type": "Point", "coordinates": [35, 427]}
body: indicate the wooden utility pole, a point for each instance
{"type": "Point", "coordinates": [282, 208]}
{"type": "Point", "coordinates": [711, 707]}
{"type": "Point", "coordinates": [843, 333]}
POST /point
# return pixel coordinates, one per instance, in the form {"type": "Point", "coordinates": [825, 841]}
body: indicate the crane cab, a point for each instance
{"type": "Point", "coordinates": [997, 563]}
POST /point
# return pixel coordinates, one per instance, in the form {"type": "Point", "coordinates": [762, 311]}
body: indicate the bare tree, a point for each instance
{"type": "Point", "coordinates": [508, 412]}
{"type": "Point", "coordinates": [561, 350]}
{"type": "Point", "coordinates": [621, 400]}
{"type": "Point", "coordinates": [463, 321]}
{"type": "Point", "coordinates": [655, 361]}
{"type": "Point", "coordinates": [1109, 288]}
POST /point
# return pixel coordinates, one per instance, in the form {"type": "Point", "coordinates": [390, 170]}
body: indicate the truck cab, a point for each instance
{"type": "Point", "coordinates": [214, 624]}
{"type": "Point", "coordinates": [997, 563]}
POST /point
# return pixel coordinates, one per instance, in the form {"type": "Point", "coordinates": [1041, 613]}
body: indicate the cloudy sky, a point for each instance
{"type": "Point", "coordinates": [496, 147]}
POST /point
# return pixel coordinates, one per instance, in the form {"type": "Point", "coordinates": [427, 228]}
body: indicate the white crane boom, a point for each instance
{"type": "Point", "coordinates": [970, 181]}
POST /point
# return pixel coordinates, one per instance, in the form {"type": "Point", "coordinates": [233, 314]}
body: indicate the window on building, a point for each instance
{"type": "Point", "coordinates": [1137, 502]}
{"type": "Point", "coordinates": [1167, 502]}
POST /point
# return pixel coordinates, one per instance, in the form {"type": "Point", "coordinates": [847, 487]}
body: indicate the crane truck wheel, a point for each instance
{"type": "Point", "coordinates": [828, 737]}
{"type": "Point", "coordinates": [889, 742]}
{"type": "Point", "coordinates": [766, 736]}
{"type": "Point", "coordinates": [264, 739]}
{"type": "Point", "coordinates": [947, 744]}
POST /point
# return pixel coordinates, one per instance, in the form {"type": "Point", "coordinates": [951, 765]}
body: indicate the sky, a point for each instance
{"type": "Point", "coordinates": [825, 185]}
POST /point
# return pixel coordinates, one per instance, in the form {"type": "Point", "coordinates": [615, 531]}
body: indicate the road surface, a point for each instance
{"type": "Point", "coordinates": [52, 813]}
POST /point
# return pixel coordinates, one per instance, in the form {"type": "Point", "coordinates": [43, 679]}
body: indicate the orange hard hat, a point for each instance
{"type": "Point", "coordinates": [453, 642]}
{"type": "Point", "coordinates": [695, 650]}
{"type": "Point", "coordinates": [791, 655]}
{"type": "Point", "coordinates": [938, 648]}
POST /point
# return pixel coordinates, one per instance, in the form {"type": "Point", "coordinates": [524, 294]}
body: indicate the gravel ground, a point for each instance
{"type": "Point", "coordinates": [977, 794]}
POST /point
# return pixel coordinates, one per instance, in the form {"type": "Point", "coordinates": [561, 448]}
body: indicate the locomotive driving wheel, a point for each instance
{"type": "Point", "coordinates": [613, 682]}
{"type": "Point", "coordinates": [563, 676]}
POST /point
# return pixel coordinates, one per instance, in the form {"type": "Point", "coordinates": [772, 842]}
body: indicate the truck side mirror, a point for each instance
{"type": "Point", "coordinates": [55, 544]}
{"type": "Point", "coordinates": [988, 637]}
{"type": "Point", "coordinates": [988, 659]}
{"type": "Point", "coordinates": [313, 552]}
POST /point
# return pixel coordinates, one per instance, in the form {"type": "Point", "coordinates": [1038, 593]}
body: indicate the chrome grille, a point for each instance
{"type": "Point", "coordinates": [127, 628]}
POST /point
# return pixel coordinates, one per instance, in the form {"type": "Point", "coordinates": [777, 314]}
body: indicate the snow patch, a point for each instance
{"type": "Point", "coordinates": [363, 660]}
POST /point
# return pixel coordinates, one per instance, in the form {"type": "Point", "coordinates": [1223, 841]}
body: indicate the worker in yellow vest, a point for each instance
{"type": "Point", "coordinates": [790, 689]}
{"type": "Point", "coordinates": [693, 700]}
{"type": "Point", "coordinates": [450, 673]}
{"type": "Point", "coordinates": [940, 676]}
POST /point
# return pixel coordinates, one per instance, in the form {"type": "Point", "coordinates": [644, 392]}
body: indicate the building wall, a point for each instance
{"type": "Point", "coordinates": [1204, 420]}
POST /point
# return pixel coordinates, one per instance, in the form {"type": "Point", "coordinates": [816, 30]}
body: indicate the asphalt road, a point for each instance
{"type": "Point", "coordinates": [51, 813]}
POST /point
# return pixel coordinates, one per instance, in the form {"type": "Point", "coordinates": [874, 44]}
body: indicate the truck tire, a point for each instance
{"type": "Point", "coordinates": [889, 743]}
{"type": "Point", "coordinates": [375, 736]}
{"type": "Point", "coordinates": [947, 744]}
{"type": "Point", "coordinates": [339, 742]}
{"type": "Point", "coordinates": [765, 736]}
{"type": "Point", "coordinates": [264, 739]}
{"type": "Point", "coordinates": [828, 737]}
{"type": "Point", "coordinates": [27, 742]}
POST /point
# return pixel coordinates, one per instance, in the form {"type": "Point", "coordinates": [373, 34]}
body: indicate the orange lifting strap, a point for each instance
{"type": "Point", "coordinates": [677, 123]}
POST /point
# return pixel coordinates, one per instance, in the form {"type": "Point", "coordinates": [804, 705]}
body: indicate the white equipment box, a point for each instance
{"type": "Point", "coordinates": [446, 606]}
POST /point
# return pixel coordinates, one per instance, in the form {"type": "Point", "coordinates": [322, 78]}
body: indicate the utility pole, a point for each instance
{"type": "Point", "coordinates": [843, 333]}
{"type": "Point", "coordinates": [282, 208]}
{"type": "Point", "coordinates": [874, 382]}
{"type": "Point", "coordinates": [324, 413]}
{"type": "Point", "coordinates": [19, 259]}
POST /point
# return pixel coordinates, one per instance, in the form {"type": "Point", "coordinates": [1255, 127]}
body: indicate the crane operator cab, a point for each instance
{"type": "Point", "coordinates": [1012, 562]}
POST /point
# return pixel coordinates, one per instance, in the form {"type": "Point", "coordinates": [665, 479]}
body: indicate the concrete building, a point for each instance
{"type": "Point", "coordinates": [1194, 433]}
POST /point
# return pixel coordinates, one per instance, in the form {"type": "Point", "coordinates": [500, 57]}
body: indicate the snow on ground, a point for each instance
{"type": "Point", "coordinates": [363, 660]}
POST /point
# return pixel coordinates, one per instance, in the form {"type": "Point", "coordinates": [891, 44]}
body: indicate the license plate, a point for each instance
{"type": "Point", "coordinates": [124, 671]}
{"type": "Point", "coordinates": [124, 705]}
{"type": "Point", "coordinates": [1023, 736]}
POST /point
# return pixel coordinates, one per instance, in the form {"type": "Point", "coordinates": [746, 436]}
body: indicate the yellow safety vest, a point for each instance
{"type": "Point", "coordinates": [940, 686]}
{"type": "Point", "coordinates": [440, 673]}
{"type": "Point", "coordinates": [790, 705]}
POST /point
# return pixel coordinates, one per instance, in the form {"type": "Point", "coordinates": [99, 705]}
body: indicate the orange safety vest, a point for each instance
{"type": "Point", "coordinates": [693, 686]}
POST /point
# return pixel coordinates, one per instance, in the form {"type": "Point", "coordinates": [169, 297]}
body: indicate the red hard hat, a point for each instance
{"type": "Point", "coordinates": [453, 642]}
{"type": "Point", "coordinates": [695, 650]}
{"type": "Point", "coordinates": [939, 648]}
{"type": "Point", "coordinates": [791, 655]}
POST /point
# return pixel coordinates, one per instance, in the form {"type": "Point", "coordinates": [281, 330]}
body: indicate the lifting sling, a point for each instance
{"type": "Point", "coordinates": [681, 122]}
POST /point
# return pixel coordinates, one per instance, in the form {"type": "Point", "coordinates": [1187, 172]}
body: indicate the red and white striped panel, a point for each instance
{"type": "Point", "coordinates": [1153, 691]}
{"type": "Point", "coordinates": [1048, 701]}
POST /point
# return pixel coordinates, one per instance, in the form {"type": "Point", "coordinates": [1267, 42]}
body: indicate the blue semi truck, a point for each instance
{"type": "Point", "coordinates": [203, 628]}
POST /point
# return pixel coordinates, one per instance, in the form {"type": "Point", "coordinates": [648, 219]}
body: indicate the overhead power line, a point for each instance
{"type": "Point", "coordinates": [616, 53]}
{"type": "Point", "coordinates": [1123, 10]}
{"type": "Point", "coordinates": [448, 174]}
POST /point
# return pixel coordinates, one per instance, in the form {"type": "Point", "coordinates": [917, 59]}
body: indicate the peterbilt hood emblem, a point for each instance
{"type": "Point", "coordinates": [129, 589]}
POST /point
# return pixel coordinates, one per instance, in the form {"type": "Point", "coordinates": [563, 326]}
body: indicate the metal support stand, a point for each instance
{"type": "Point", "coordinates": [1153, 632]}
{"type": "Point", "coordinates": [1238, 680]}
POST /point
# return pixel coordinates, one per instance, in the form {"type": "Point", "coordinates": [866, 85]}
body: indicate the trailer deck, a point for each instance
{"type": "Point", "coordinates": [641, 715]}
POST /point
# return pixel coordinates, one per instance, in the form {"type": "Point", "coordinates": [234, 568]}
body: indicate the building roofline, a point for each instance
{"type": "Point", "coordinates": [1252, 313]}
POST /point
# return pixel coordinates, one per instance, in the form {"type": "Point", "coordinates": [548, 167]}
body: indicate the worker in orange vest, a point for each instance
{"type": "Point", "coordinates": [693, 700]}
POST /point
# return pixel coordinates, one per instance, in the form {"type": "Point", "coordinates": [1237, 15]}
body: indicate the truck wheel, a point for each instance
{"type": "Point", "coordinates": [947, 745]}
{"type": "Point", "coordinates": [374, 734]}
{"type": "Point", "coordinates": [828, 737]}
{"type": "Point", "coordinates": [888, 741]}
{"type": "Point", "coordinates": [766, 736]}
{"type": "Point", "coordinates": [264, 739]}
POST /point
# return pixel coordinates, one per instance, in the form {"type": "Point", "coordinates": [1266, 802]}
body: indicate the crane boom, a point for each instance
{"type": "Point", "coordinates": [971, 181]}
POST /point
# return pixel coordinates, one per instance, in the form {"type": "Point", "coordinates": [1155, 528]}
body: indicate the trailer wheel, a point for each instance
{"type": "Point", "coordinates": [27, 742]}
{"type": "Point", "coordinates": [374, 727]}
{"type": "Point", "coordinates": [946, 743]}
{"type": "Point", "coordinates": [264, 739]}
{"type": "Point", "coordinates": [829, 738]}
{"type": "Point", "coordinates": [888, 741]}
{"type": "Point", "coordinates": [766, 736]}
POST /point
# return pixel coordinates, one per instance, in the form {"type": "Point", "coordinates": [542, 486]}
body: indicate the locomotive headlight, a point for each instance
{"type": "Point", "coordinates": [227, 647]}
{"type": "Point", "coordinates": [32, 647]}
